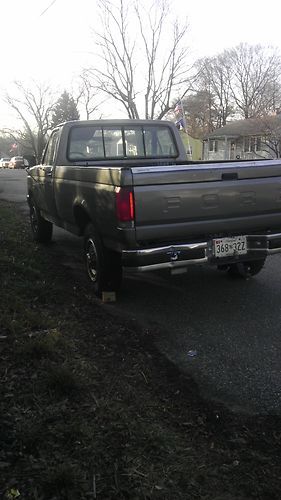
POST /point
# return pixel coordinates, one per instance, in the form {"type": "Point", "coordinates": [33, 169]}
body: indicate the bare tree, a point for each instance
{"type": "Point", "coordinates": [139, 55]}
{"type": "Point", "coordinates": [243, 81]}
{"type": "Point", "coordinates": [214, 76]}
{"type": "Point", "coordinates": [271, 135]}
{"type": "Point", "coordinates": [162, 78]}
{"type": "Point", "coordinates": [33, 107]}
{"type": "Point", "coordinates": [254, 77]}
{"type": "Point", "coordinates": [199, 109]}
{"type": "Point", "coordinates": [19, 142]}
{"type": "Point", "coordinates": [208, 103]}
{"type": "Point", "coordinates": [88, 97]}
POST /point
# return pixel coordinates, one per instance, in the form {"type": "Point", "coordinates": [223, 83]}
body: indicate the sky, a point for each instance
{"type": "Point", "coordinates": [51, 40]}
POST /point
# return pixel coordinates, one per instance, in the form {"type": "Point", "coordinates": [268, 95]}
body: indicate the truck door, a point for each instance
{"type": "Point", "coordinates": [47, 174]}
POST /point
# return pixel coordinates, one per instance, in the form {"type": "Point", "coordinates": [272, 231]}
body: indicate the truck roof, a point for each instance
{"type": "Point", "coordinates": [118, 121]}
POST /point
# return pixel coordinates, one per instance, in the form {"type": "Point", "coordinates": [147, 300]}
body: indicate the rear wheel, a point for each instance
{"type": "Point", "coordinates": [103, 266]}
{"type": "Point", "coordinates": [246, 269]}
{"type": "Point", "coordinates": [42, 230]}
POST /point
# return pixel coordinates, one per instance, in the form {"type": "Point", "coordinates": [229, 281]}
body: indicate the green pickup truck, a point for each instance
{"type": "Point", "coordinates": [127, 188]}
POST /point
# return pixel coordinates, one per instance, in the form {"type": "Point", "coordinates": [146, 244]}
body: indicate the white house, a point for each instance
{"type": "Point", "coordinates": [245, 139]}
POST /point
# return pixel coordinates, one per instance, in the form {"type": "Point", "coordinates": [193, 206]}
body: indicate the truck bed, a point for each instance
{"type": "Point", "coordinates": [203, 199]}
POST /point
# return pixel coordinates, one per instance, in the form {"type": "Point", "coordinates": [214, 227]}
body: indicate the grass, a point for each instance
{"type": "Point", "coordinates": [41, 344]}
{"type": "Point", "coordinates": [89, 409]}
{"type": "Point", "coordinates": [63, 382]}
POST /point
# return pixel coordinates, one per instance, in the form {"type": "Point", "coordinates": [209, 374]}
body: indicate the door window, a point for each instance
{"type": "Point", "coordinates": [50, 153]}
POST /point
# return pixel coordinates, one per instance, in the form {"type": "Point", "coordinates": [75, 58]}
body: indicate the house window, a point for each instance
{"type": "Point", "coordinates": [247, 145]}
{"type": "Point", "coordinates": [213, 146]}
{"type": "Point", "coordinates": [252, 144]}
{"type": "Point", "coordinates": [258, 144]}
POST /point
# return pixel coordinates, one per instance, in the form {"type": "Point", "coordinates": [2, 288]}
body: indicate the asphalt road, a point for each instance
{"type": "Point", "coordinates": [225, 333]}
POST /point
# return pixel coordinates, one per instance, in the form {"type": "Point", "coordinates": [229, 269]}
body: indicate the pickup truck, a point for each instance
{"type": "Point", "coordinates": [127, 188]}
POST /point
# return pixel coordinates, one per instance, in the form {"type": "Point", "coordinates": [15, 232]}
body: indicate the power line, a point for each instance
{"type": "Point", "coordinates": [44, 11]}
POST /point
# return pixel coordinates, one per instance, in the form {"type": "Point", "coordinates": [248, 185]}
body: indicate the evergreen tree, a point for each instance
{"type": "Point", "coordinates": [65, 110]}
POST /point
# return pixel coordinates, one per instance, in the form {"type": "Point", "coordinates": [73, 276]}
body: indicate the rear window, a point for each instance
{"type": "Point", "coordinates": [99, 143]}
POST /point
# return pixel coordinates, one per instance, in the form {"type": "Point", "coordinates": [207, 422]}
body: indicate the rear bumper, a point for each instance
{"type": "Point", "coordinates": [182, 255]}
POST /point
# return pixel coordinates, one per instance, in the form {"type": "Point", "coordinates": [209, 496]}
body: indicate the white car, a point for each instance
{"type": "Point", "coordinates": [16, 162]}
{"type": "Point", "coordinates": [4, 162]}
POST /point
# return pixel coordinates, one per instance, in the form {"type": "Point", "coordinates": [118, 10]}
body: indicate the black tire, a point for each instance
{"type": "Point", "coordinates": [246, 269]}
{"type": "Point", "coordinates": [103, 266]}
{"type": "Point", "coordinates": [42, 230]}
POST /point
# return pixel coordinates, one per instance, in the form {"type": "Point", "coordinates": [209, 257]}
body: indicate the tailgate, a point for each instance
{"type": "Point", "coordinates": [176, 202]}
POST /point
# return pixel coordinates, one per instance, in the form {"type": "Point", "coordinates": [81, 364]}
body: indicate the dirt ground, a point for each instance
{"type": "Point", "coordinates": [90, 410]}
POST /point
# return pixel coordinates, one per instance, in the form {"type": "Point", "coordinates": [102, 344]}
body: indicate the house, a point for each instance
{"type": "Point", "coordinates": [245, 139]}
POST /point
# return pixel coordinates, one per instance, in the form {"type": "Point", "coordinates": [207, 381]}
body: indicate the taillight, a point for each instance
{"type": "Point", "coordinates": [125, 208]}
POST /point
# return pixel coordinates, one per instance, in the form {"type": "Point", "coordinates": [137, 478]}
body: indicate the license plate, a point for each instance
{"type": "Point", "coordinates": [227, 247]}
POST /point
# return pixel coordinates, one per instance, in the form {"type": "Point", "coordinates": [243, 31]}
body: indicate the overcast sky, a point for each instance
{"type": "Point", "coordinates": [54, 45]}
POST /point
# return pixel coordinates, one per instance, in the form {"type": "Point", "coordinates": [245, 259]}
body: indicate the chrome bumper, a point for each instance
{"type": "Point", "coordinates": [182, 255]}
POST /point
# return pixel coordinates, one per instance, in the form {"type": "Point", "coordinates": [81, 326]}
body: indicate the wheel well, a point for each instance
{"type": "Point", "coordinates": [82, 218]}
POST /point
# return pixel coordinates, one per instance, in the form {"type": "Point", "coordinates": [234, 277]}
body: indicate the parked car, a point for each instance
{"type": "Point", "coordinates": [17, 162]}
{"type": "Point", "coordinates": [128, 189]}
{"type": "Point", "coordinates": [4, 162]}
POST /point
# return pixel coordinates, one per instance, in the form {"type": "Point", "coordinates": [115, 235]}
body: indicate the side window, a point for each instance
{"type": "Point", "coordinates": [85, 143]}
{"type": "Point", "coordinates": [158, 141]}
{"type": "Point", "coordinates": [50, 153]}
